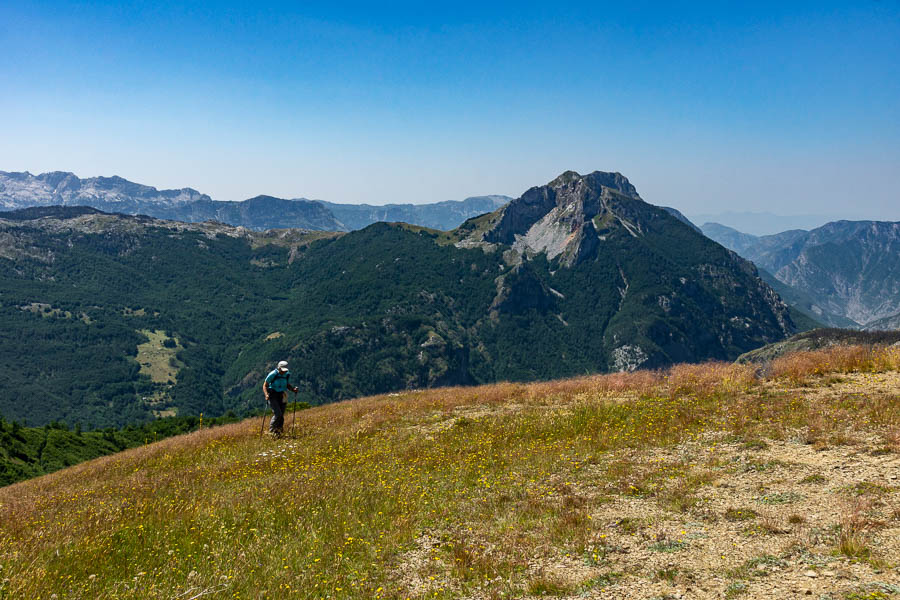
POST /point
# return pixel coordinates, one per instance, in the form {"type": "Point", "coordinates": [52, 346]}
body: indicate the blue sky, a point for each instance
{"type": "Point", "coordinates": [706, 107]}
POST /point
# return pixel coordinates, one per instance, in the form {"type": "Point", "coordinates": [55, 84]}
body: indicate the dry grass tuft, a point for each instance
{"type": "Point", "coordinates": [892, 439]}
{"type": "Point", "coordinates": [855, 529]}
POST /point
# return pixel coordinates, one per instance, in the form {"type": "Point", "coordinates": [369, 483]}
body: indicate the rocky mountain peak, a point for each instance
{"type": "Point", "coordinates": [597, 179]}
{"type": "Point", "coordinates": [565, 178]}
{"type": "Point", "coordinates": [569, 217]}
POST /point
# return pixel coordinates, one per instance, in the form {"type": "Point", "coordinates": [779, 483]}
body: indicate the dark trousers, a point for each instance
{"type": "Point", "coordinates": [276, 401]}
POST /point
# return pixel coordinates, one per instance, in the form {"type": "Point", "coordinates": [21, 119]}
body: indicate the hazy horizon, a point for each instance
{"type": "Point", "coordinates": [769, 108]}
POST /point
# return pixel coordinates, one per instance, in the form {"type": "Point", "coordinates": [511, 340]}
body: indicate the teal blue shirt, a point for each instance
{"type": "Point", "coordinates": [279, 382]}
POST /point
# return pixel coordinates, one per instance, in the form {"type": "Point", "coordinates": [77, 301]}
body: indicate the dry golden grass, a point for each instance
{"type": "Point", "coordinates": [837, 359]}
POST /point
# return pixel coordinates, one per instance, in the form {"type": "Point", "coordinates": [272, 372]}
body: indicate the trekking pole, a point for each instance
{"type": "Point", "coordinates": [262, 427]}
{"type": "Point", "coordinates": [294, 416]}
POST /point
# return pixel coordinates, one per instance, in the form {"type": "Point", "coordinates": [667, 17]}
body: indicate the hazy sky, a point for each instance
{"type": "Point", "coordinates": [786, 107]}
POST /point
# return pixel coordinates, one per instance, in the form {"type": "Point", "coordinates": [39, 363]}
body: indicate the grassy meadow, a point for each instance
{"type": "Point", "coordinates": [710, 480]}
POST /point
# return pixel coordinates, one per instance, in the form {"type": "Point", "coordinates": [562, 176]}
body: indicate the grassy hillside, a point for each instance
{"type": "Point", "coordinates": [703, 481]}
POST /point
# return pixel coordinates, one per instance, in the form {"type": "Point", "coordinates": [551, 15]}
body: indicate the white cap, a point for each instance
{"type": "Point", "coordinates": [282, 365]}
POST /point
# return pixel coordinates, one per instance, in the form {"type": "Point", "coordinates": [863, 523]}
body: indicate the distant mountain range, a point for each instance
{"type": "Point", "coordinates": [837, 275]}
{"type": "Point", "coordinates": [118, 195]}
{"type": "Point", "coordinates": [444, 215]}
{"type": "Point", "coordinates": [764, 223]}
{"type": "Point", "coordinates": [116, 318]}
{"type": "Point", "coordinates": [844, 273]}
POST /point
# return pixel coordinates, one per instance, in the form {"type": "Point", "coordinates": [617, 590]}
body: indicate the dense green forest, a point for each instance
{"type": "Point", "coordinates": [27, 452]}
{"type": "Point", "coordinates": [71, 327]}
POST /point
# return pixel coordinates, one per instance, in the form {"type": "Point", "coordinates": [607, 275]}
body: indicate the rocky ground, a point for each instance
{"type": "Point", "coordinates": [760, 518]}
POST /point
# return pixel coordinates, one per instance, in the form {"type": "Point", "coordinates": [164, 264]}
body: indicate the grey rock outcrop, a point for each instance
{"type": "Point", "coordinates": [885, 324]}
{"type": "Point", "coordinates": [562, 218]}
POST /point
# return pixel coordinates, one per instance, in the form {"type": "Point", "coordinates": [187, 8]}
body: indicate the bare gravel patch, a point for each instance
{"type": "Point", "coordinates": [787, 544]}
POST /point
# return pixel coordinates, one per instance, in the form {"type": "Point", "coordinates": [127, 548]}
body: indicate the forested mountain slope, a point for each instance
{"type": "Point", "coordinates": [113, 319]}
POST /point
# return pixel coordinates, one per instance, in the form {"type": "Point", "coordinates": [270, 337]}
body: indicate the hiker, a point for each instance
{"type": "Point", "coordinates": [275, 385]}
